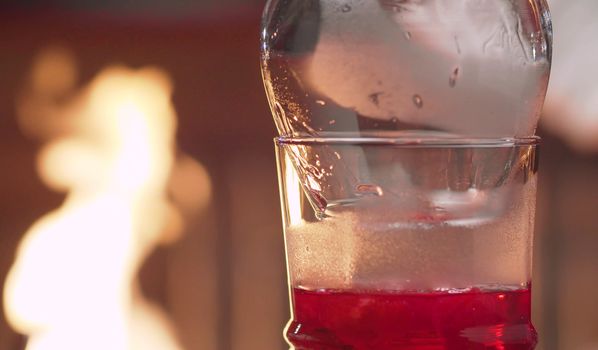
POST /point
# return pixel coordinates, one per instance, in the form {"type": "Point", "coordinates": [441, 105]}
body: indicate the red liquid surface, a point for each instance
{"type": "Point", "coordinates": [378, 320]}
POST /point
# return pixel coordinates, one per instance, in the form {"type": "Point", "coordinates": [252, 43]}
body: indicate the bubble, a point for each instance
{"type": "Point", "coordinates": [346, 8]}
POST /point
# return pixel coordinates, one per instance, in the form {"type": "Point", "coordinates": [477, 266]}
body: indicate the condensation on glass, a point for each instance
{"type": "Point", "coordinates": [457, 67]}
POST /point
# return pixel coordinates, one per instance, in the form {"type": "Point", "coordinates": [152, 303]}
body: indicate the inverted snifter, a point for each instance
{"type": "Point", "coordinates": [457, 67]}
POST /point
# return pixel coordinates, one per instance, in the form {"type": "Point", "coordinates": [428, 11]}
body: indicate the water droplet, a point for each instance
{"type": "Point", "coordinates": [375, 97]}
{"type": "Point", "coordinates": [338, 156]}
{"type": "Point", "coordinates": [407, 35]}
{"type": "Point", "coordinates": [453, 78]}
{"type": "Point", "coordinates": [331, 167]}
{"type": "Point", "coordinates": [321, 103]}
{"type": "Point", "coordinates": [318, 163]}
{"type": "Point", "coordinates": [457, 45]}
{"type": "Point", "coordinates": [369, 190]}
{"type": "Point", "coordinates": [418, 101]}
{"type": "Point", "coordinates": [346, 8]}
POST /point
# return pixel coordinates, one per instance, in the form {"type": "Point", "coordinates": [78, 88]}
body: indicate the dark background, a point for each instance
{"type": "Point", "coordinates": [224, 282]}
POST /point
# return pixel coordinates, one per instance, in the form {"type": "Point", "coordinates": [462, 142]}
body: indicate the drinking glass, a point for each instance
{"type": "Point", "coordinates": [403, 243]}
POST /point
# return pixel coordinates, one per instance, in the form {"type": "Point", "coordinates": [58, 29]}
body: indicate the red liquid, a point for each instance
{"type": "Point", "coordinates": [378, 320]}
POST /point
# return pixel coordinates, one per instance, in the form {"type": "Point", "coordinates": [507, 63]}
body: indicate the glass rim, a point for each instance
{"type": "Point", "coordinates": [410, 141]}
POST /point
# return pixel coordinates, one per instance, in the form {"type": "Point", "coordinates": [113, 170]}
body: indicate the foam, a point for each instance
{"type": "Point", "coordinates": [371, 247]}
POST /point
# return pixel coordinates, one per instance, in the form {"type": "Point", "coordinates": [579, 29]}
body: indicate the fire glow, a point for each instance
{"type": "Point", "coordinates": [111, 148]}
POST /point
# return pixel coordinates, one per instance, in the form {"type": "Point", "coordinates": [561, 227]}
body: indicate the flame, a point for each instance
{"type": "Point", "coordinates": [111, 147]}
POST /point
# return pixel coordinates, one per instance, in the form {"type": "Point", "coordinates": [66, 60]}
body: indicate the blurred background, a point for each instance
{"type": "Point", "coordinates": [198, 243]}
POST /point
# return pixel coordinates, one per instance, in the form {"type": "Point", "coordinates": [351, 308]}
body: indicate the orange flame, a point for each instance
{"type": "Point", "coordinates": [111, 147]}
